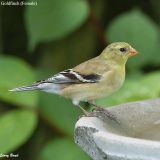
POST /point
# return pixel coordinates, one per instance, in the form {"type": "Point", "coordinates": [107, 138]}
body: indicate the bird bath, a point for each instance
{"type": "Point", "coordinates": [135, 137]}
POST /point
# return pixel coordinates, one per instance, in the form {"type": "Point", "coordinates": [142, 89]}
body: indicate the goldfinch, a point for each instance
{"type": "Point", "coordinates": [96, 78]}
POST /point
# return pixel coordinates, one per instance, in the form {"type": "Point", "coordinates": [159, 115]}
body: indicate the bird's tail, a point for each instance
{"type": "Point", "coordinates": [25, 88]}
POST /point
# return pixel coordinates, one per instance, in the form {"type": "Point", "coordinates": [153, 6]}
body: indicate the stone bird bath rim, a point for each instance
{"type": "Point", "coordinates": [137, 137]}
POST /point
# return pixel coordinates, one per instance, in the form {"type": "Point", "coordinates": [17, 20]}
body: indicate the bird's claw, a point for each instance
{"type": "Point", "coordinates": [104, 113]}
{"type": "Point", "coordinates": [99, 112]}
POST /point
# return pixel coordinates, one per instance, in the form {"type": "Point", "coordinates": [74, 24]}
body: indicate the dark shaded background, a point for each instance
{"type": "Point", "coordinates": [38, 41]}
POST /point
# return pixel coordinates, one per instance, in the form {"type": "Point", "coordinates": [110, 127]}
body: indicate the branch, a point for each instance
{"type": "Point", "coordinates": [96, 24]}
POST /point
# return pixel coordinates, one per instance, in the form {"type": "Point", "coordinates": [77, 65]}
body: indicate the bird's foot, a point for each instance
{"type": "Point", "coordinates": [86, 114]}
{"type": "Point", "coordinates": [105, 113]}
{"type": "Point", "coordinates": [102, 113]}
{"type": "Point", "coordinates": [99, 112]}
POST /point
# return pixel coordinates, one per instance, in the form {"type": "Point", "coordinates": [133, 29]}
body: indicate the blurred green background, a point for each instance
{"type": "Point", "coordinates": [38, 41]}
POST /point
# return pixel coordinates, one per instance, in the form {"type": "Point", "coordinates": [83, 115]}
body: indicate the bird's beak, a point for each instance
{"type": "Point", "coordinates": [133, 52]}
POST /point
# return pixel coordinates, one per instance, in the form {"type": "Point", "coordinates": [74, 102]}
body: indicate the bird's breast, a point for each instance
{"type": "Point", "coordinates": [113, 81]}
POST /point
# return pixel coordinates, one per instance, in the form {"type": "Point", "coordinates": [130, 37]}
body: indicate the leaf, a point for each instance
{"type": "Point", "coordinates": [59, 111]}
{"type": "Point", "coordinates": [52, 19]}
{"type": "Point", "coordinates": [68, 52]}
{"type": "Point", "coordinates": [15, 129]}
{"type": "Point", "coordinates": [135, 89]}
{"type": "Point", "coordinates": [62, 149]}
{"type": "Point", "coordinates": [137, 29]}
{"type": "Point", "coordinates": [150, 83]}
{"type": "Point", "coordinates": [15, 72]}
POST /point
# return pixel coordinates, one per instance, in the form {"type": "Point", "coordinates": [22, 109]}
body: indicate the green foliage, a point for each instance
{"type": "Point", "coordinates": [68, 49]}
{"type": "Point", "coordinates": [52, 19]}
{"type": "Point", "coordinates": [59, 149]}
{"type": "Point", "coordinates": [139, 30]}
{"type": "Point", "coordinates": [135, 89]}
{"type": "Point", "coordinates": [59, 111]}
{"type": "Point", "coordinates": [16, 127]}
{"type": "Point", "coordinates": [15, 72]}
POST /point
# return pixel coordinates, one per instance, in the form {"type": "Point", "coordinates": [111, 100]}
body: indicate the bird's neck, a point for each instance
{"type": "Point", "coordinates": [115, 59]}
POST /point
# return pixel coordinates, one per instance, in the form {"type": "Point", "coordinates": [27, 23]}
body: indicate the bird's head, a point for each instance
{"type": "Point", "coordinates": [118, 52]}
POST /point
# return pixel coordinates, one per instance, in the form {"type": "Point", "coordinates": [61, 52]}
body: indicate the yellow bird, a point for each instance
{"type": "Point", "coordinates": [93, 79]}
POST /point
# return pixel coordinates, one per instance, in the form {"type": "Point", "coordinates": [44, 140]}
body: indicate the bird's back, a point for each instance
{"type": "Point", "coordinates": [95, 65]}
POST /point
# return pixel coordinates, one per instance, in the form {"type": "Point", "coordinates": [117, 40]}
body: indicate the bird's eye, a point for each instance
{"type": "Point", "coordinates": [123, 49]}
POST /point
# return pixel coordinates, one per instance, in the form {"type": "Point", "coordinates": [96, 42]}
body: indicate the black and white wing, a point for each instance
{"type": "Point", "coordinates": [70, 76]}
{"type": "Point", "coordinates": [53, 84]}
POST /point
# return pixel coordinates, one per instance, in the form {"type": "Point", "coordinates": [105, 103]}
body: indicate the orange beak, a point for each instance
{"type": "Point", "coordinates": [133, 52]}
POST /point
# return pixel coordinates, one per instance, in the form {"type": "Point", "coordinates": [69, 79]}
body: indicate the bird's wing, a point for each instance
{"type": "Point", "coordinates": [90, 71]}
{"type": "Point", "coordinates": [95, 65]}
{"type": "Point", "coordinates": [66, 77]}
{"type": "Point", "coordinates": [71, 76]}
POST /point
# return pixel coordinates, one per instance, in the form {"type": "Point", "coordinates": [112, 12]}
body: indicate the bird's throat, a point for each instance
{"type": "Point", "coordinates": [116, 59]}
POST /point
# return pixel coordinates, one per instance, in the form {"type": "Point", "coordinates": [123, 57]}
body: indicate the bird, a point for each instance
{"type": "Point", "coordinates": [93, 79]}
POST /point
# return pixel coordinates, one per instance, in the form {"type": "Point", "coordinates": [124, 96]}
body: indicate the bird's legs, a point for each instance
{"type": "Point", "coordinates": [101, 109]}
{"type": "Point", "coordinates": [100, 112]}
{"type": "Point", "coordinates": [86, 113]}
{"type": "Point", "coordinates": [92, 103]}
{"type": "Point", "coordinates": [97, 107]}
{"type": "Point", "coordinates": [83, 110]}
